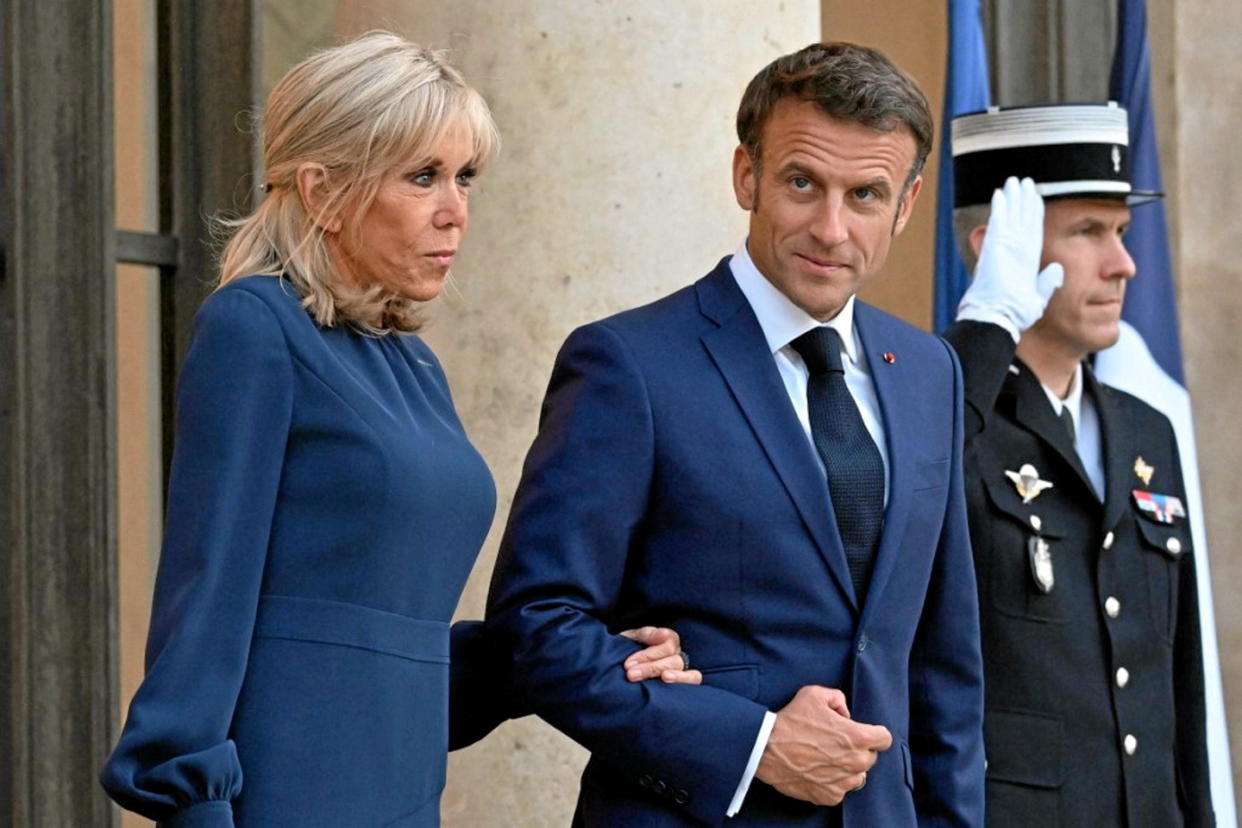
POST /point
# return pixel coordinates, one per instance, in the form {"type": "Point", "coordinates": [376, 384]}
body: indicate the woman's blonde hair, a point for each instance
{"type": "Point", "coordinates": [360, 109]}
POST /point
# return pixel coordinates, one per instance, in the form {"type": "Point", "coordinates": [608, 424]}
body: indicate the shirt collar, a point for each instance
{"type": "Point", "coordinates": [780, 319]}
{"type": "Point", "coordinates": [1072, 401]}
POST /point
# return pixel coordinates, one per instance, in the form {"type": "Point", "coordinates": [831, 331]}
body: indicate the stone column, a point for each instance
{"type": "Point", "coordinates": [1203, 169]}
{"type": "Point", "coordinates": [613, 188]}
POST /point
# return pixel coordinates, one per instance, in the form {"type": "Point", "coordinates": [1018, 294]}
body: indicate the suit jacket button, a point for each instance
{"type": "Point", "coordinates": [1174, 546]}
{"type": "Point", "coordinates": [1108, 541]}
{"type": "Point", "coordinates": [1130, 743]}
{"type": "Point", "coordinates": [681, 796]}
{"type": "Point", "coordinates": [645, 780]}
{"type": "Point", "coordinates": [1123, 676]}
{"type": "Point", "coordinates": [1112, 606]}
{"type": "Point", "coordinates": [660, 787]}
{"type": "Point", "coordinates": [863, 641]}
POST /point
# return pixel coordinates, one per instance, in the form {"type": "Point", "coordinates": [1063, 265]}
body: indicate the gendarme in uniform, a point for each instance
{"type": "Point", "coordinates": [1090, 621]}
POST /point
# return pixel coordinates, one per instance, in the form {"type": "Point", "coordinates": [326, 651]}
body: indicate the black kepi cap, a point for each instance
{"type": "Point", "coordinates": [1069, 150]}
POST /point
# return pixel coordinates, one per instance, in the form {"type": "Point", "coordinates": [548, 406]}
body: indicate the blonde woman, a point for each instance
{"type": "Point", "coordinates": [325, 506]}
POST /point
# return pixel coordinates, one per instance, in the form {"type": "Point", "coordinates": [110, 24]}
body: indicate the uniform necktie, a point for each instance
{"type": "Point", "coordinates": [855, 469]}
{"type": "Point", "coordinates": [1067, 420]}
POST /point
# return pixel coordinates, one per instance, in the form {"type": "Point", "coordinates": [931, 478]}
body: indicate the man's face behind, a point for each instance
{"type": "Point", "coordinates": [826, 204]}
{"type": "Point", "coordinates": [1085, 236]}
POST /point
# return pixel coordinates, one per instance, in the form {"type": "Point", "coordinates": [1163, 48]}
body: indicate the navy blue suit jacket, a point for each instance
{"type": "Point", "coordinates": [671, 483]}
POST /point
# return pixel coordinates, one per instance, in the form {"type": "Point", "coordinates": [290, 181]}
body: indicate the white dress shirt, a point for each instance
{"type": "Point", "coordinates": [782, 322]}
{"type": "Point", "coordinates": [1086, 429]}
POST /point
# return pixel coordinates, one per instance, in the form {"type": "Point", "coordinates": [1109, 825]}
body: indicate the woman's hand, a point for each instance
{"type": "Point", "coordinates": [663, 657]}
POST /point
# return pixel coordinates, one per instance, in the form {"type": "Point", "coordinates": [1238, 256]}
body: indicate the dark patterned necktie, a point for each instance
{"type": "Point", "coordinates": [1067, 420]}
{"type": "Point", "coordinates": [855, 469]}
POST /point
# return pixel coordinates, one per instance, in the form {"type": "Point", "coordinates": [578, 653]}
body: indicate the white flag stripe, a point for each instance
{"type": "Point", "coordinates": [1129, 366]}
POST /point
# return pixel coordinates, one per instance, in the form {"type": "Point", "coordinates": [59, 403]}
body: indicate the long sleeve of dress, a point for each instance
{"type": "Point", "coordinates": [482, 695]}
{"type": "Point", "coordinates": [174, 762]}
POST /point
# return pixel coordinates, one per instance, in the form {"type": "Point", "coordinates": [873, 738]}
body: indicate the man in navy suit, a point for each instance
{"type": "Point", "coordinates": [774, 469]}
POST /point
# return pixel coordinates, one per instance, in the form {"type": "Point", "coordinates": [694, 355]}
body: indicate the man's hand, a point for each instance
{"type": "Point", "coordinates": [1008, 282]}
{"type": "Point", "coordinates": [816, 752]}
{"type": "Point", "coordinates": [663, 657]}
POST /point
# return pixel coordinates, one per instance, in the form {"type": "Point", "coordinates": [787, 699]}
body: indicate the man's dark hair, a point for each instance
{"type": "Point", "coordinates": [846, 81]}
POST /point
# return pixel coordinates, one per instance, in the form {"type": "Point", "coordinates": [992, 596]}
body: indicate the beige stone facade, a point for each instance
{"type": "Point", "coordinates": [1199, 83]}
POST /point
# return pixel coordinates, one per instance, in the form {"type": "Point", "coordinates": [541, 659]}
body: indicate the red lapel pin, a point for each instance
{"type": "Point", "coordinates": [890, 358]}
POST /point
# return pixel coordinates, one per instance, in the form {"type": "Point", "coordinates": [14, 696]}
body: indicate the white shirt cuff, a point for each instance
{"type": "Point", "coordinates": [972, 313]}
{"type": "Point", "coordinates": [761, 743]}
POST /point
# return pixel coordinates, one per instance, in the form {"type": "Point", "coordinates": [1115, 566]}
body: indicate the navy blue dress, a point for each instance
{"type": "Point", "coordinates": [324, 511]}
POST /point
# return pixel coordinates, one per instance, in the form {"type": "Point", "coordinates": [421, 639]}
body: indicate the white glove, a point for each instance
{"type": "Point", "coordinates": [1009, 289]}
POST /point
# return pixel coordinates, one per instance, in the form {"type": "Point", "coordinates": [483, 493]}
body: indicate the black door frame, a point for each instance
{"type": "Point", "coordinates": [58, 253]}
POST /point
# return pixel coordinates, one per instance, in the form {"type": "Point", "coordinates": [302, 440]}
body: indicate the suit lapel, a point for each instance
{"type": "Point", "coordinates": [1034, 412]}
{"type": "Point", "coordinates": [740, 352]}
{"type": "Point", "coordinates": [892, 383]}
{"type": "Point", "coordinates": [1116, 447]}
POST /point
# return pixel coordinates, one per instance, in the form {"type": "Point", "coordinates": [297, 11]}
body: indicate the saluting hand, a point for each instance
{"type": "Point", "coordinates": [1008, 282]}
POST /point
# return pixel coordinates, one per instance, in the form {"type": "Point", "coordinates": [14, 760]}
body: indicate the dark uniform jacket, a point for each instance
{"type": "Point", "coordinates": [1094, 688]}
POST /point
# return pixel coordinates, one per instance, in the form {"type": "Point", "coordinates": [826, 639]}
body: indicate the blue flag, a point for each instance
{"type": "Point", "coordinates": [1147, 359]}
{"type": "Point", "coordinates": [1150, 305]}
{"type": "Point", "coordinates": [965, 90]}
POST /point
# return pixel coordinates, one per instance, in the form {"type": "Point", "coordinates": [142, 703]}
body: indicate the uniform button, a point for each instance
{"type": "Point", "coordinates": [660, 787]}
{"type": "Point", "coordinates": [862, 642]}
{"type": "Point", "coordinates": [646, 781]}
{"type": "Point", "coordinates": [1174, 546]}
{"type": "Point", "coordinates": [1131, 744]}
{"type": "Point", "coordinates": [1123, 678]}
{"type": "Point", "coordinates": [681, 796]}
{"type": "Point", "coordinates": [1112, 606]}
{"type": "Point", "coordinates": [1036, 523]}
{"type": "Point", "coordinates": [1108, 541]}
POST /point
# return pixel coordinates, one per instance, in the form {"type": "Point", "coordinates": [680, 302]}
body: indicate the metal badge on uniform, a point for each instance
{"type": "Point", "coordinates": [1161, 508]}
{"type": "Point", "coordinates": [1026, 481]}
{"type": "Point", "coordinates": [1040, 555]}
{"type": "Point", "coordinates": [1143, 470]}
